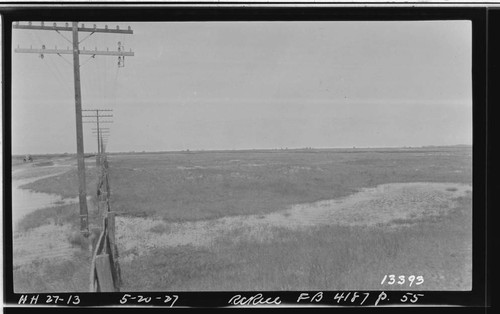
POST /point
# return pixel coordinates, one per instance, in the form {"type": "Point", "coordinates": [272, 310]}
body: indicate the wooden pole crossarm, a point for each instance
{"type": "Point", "coordinates": [82, 52]}
{"type": "Point", "coordinates": [99, 116]}
{"type": "Point", "coordinates": [96, 121]}
{"type": "Point", "coordinates": [69, 29]}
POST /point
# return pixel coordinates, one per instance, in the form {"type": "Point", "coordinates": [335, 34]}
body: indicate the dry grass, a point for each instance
{"type": "Point", "coordinates": [54, 215]}
{"type": "Point", "coordinates": [57, 215]}
{"type": "Point", "coordinates": [323, 258]}
{"type": "Point", "coordinates": [50, 276]}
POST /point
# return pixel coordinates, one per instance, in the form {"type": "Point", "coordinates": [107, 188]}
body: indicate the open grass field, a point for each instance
{"type": "Point", "coordinates": [195, 186]}
{"type": "Point", "coordinates": [272, 220]}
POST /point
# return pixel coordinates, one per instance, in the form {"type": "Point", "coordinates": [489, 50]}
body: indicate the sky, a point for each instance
{"type": "Point", "coordinates": [245, 85]}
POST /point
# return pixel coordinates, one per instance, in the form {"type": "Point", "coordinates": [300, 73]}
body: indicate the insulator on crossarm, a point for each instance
{"type": "Point", "coordinates": [105, 26]}
{"type": "Point", "coordinates": [95, 26]}
{"type": "Point", "coordinates": [117, 26]}
{"type": "Point", "coordinates": [129, 28]}
{"type": "Point", "coordinates": [55, 24]}
{"type": "Point", "coordinates": [42, 23]}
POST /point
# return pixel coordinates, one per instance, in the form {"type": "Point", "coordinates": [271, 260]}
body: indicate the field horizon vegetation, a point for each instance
{"type": "Point", "coordinates": [182, 187]}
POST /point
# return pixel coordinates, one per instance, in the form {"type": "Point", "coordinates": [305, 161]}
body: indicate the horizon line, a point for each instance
{"type": "Point", "coordinates": [249, 149]}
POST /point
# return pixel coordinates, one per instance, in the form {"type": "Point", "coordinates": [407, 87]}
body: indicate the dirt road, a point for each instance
{"type": "Point", "coordinates": [47, 242]}
{"type": "Point", "coordinates": [26, 201]}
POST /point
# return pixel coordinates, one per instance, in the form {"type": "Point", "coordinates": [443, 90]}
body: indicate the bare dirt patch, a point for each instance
{"type": "Point", "coordinates": [381, 205]}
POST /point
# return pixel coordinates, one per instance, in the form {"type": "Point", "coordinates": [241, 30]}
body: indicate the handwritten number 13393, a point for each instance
{"type": "Point", "coordinates": [401, 280]}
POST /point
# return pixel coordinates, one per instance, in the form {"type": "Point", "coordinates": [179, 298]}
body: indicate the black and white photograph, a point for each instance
{"type": "Point", "coordinates": [248, 155]}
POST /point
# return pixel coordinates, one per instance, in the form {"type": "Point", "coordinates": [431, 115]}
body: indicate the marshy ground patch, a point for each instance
{"type": "Point", "coordinates": [385, 205]}
{"type": "Point", "coordinates": [24, 200]}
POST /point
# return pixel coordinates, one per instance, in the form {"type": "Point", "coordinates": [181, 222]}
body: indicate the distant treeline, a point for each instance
{"type": "Point", "coordinates": [305, 150]}
{"type": "Point", "coordinates": [58, 155]}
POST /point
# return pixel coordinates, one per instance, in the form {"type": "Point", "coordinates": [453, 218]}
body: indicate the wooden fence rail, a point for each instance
{"type": "Point", "coordinates": [105, 274]}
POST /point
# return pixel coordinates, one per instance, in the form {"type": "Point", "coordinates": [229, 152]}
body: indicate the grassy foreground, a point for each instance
{"type": "Point", "coordinates": [46, 277]}
{"type": "Point", "coordinates": [197, 186]}
{"type": "Point", "coordinates": [323, 258]}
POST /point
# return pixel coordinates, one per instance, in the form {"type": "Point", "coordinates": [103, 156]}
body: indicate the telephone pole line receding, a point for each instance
{"type": "Point", "coordinates": [75, 29]}
{"type": "Point", "coordinates": [99, 114]}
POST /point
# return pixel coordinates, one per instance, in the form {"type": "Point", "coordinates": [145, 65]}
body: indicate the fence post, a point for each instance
{"type": "Point", "coordinates": [111, 228]}
{"type": "Point", "coordinates": [114, 248]}
{"type": "Point", "coordinates": [104, 275]}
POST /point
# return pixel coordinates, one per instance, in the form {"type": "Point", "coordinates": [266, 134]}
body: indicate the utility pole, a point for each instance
{"type": "Point", "coordinates": [103, 142]}
{"type": "Point", "coordinates": [76, 52]}
{"type": "Point", "coordinates": [98, 114]}
{"type": "Point", "coordinates": [82, 186]}
{"type": "Point", "coordinates": [102, 139]}
{"type": "Point", "coordinates": [102, 136]}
